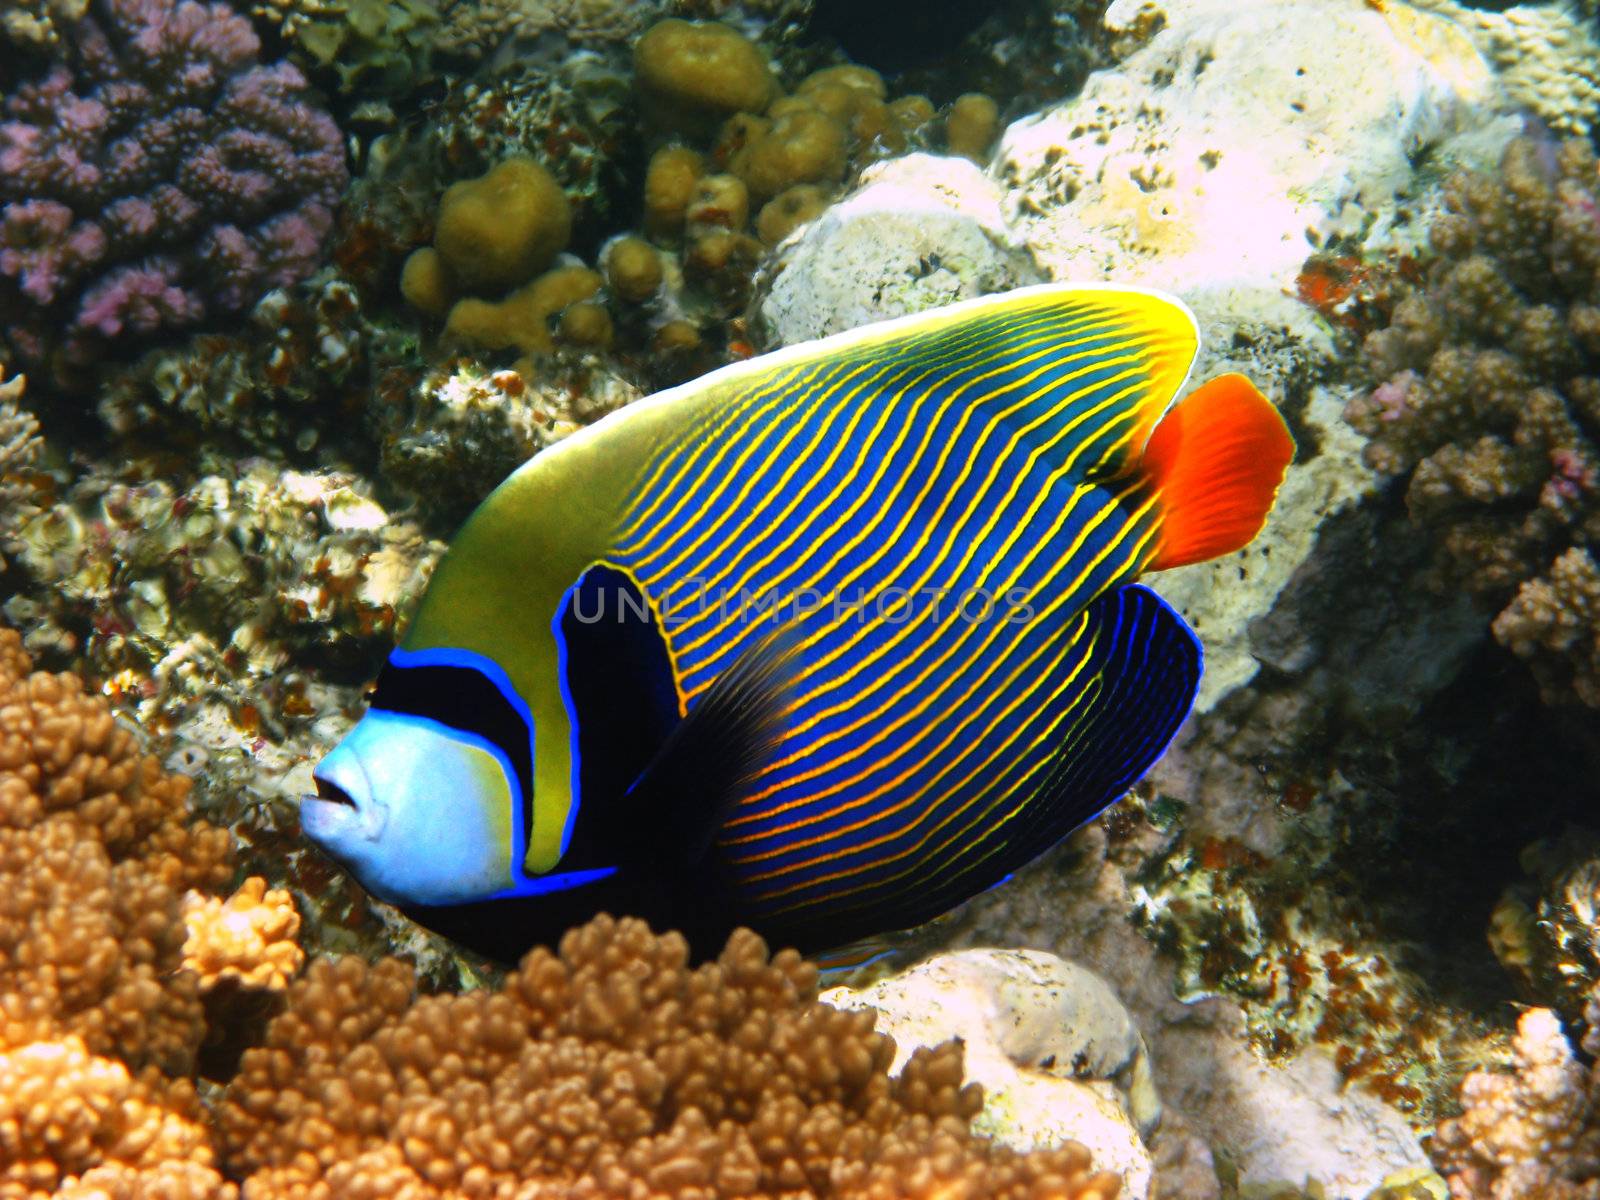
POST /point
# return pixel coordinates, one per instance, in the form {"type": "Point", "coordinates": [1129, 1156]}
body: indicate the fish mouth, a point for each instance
{"type": "Point", "coordinates": [331, 793]}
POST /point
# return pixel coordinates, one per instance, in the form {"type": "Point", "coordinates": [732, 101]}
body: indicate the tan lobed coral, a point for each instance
{"type": "Point", "coordinates": [612, 1069]}
{"type": "Point", "coordinates": [1490, 403]}
{"type": "Point", "coordinates": [1531, 1133]}
{"type": "Point", "coordinates": [96, 853]}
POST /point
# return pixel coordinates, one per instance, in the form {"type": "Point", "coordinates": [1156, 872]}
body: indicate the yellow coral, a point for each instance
{"type": "Point", "coordinates": [633, 269]}
{"type": "Point", "coordinates": [694, 73]}
{"type": "Point", "coordinates": [788, 210]}
{"type": "Point", "coordinates": [971, 126]}
{"type": "Point", "coordinates": [499, 230]}
{"type": "Point", "coordinates": [522, 319]}
{"type": "Point", "coordinates": [801, 145]}
{"type": "Point", "coordinates": [425, 282]}
{"type": "Point", "coordinates": [669, 186]}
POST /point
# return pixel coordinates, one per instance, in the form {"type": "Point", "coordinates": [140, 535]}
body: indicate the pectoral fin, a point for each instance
{"type": "Point", "coordinates": [678, 802]}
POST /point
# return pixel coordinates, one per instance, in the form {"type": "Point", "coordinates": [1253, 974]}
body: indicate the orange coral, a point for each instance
{"type": "Point", "coordinates": [96, 852]}
{"type": "Point", "coordinates": [611, 1070]}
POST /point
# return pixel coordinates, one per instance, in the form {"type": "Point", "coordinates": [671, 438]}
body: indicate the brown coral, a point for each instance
{"type": "Point", "coordinates": [1490, 402]}
{"type": "Point", "coordinates": [1554, 623]}
{"type": "Point", "coordinates": [611, 1070]}
{"type": "Point", "coordinates": [96, 853]}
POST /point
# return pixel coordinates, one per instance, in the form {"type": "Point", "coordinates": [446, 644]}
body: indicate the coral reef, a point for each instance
{"type": "Point", "coordinates": [1530, 1132]}
{"type": "Point", "coordinates": [1489, 405]}
{"type": "Point", "coordinates": [613, 1069]}
{"type": "Point", "coordinates": [732, 158]}
{"type": "Point", "coordinates": [1545, 55]}
{"type": "Point", "coordinates": [154, 175]}
{"type": "Point", "coordinates": [285, 381]}
{"type": "Point", "coordinates": [248, 561]}
{"type": "Point", "coordinates": [462, 429]}
{"type": "Point", "coordinates": [97, 854]}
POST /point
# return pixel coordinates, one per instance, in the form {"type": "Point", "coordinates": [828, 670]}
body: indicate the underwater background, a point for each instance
{"type": "Point", "coordinates": [287, 287]}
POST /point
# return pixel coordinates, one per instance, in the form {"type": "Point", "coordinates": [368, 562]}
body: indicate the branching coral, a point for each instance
{"type": "Point", "coordinates": [19, 443]}
{"type": "Point", "coordinates": [155, 174]}
{"type": "Point", "coordinates": [611, 1070]}
{"type": "Point", "coordinates": [1491, 403]}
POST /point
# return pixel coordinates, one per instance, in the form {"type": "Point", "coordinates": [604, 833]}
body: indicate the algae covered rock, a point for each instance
{"type": "Point", "coordinates": [921, 231]}
{"type": "Point", "coordinates": [1057, 1054]}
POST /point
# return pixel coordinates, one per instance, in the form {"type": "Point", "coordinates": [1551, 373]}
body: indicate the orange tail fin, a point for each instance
{"type": "Point", "coordinates": [1217, 458]}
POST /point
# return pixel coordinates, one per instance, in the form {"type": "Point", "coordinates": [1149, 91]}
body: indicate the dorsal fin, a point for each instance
{"type": "Point", "coordinates": [1217, 461]}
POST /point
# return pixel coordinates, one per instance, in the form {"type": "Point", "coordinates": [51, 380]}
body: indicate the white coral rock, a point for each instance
{"type": "Point", "coordinates": [1056, 1052]}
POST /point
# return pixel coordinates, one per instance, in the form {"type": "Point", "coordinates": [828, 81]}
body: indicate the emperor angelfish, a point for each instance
{"type": "Point", "coordinates": [822, 643]}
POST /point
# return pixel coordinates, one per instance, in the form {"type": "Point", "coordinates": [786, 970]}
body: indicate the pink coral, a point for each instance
{"type": "Point", "coordinates": [159, 175]}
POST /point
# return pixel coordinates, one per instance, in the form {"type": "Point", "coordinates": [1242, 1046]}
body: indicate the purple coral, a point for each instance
{"type": "Point", "coordinates": [158, 176]}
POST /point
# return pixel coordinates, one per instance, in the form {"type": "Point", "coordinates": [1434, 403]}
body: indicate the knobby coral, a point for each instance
{"type": "Point", "coordinates": [1490, 403]}
{"type": "Point", "coordinates": [1532, 1133]}
{"type": "Point", "coordinates": [96, 854]}
{"type": "Point", "coordinates": [154, 175]}
{"type": "Point", "coordinates": [612, 1069]}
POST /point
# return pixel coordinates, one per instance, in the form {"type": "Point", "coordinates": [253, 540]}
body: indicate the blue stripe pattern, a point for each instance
{"type": "Point", "coordinates": [926, 746]}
